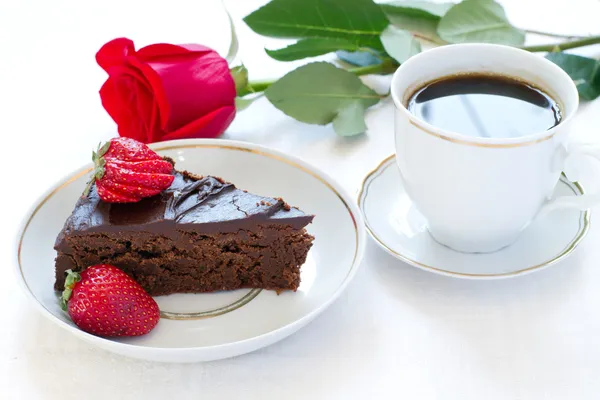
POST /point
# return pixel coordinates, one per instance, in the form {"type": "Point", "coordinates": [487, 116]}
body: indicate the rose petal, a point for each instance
{"type": "Point", "coordinates": [194, 84]}
{"type": "Point", "coordinates": [128, 99]}
{"type": "Point", "coordinates": [115, 100]}
{"type": "Point", "coordinates": [209, 126]}
{"type": "Point", "coordinates": [143, 121]}
{"type": "Point", "coordinates": [119, 111]}
{"type": "Point", "coordinates": [114, 52]}
{"type": "Point", "coordinates": [138, 99]}
{"type": "Point", "coordinates": [166, 53]}
{"type": "Point", "coordinates": [156, 133]}
{"type": "Point", "coordinates": [142, 107]}
{"type": "Point", "coordinates": [161, 50]}
{"type": "Point", "coordinates": [165, 91]}
{"type": "Point", "coordinates": [155, 84]}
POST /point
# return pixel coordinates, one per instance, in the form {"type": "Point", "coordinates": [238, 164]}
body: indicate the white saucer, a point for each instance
{"type": "Point", "coordinates": [199, 327]}
{"type": "Point", "coordinates": [400, 229]}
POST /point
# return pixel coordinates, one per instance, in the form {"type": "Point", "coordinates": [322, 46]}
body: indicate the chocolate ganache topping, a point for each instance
{"type": "Point", "coordinates": [203, 204]}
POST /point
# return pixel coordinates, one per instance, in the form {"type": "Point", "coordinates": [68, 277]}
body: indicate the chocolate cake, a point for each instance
{"type": "Point", "coordinates": [202, 234]}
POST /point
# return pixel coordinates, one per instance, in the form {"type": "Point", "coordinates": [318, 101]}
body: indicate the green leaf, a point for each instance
{"type": "Point", "coordinates": [311, 47]}
{"type": "Point", "coordinates": [358, 21]}
{"type": "Point", "coordinates": [584, 71]}
{"type": "Point", "coordinates": [425, 28]}
{"type": "Point", "coordinates": [419, 17]}
{"type": "Point", "coordinates": [399, 44]}
{"type": "Point", "coordinates": [417, 9]}
{"type": "Point", "coordinates": [479, 21]}
{"type": "Point", "coordinates": [103, 149]}
{"type": "Point", "coordinates": [319, 93]}
{"type": "Point", "coordinates": [241, 103]}
{"type": "Point", "coordinates": [240, 77]}
{"type": "Point", "coordinates": [358, 58]}
{"type": "Point", "coordinates": [350, 120]}
{"type": "Point", "coordinates": [70, 281]}
{"type": "Point", "coordinates": [234, 46]}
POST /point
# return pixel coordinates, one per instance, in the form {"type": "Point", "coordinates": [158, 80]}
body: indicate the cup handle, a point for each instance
{"type": "Point", "coordinates": [572, 170]}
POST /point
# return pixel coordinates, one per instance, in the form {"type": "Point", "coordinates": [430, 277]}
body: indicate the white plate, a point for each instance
{"type": "Point", "coordinates": [200, 327]}
{"type": "Point", "coordinates": [398, 227]}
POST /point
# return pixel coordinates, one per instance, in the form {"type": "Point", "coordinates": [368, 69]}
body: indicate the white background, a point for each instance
{"type": "Point", "coordinates": [397, 332]}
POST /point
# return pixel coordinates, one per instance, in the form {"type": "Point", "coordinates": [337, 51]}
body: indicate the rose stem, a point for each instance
{"type": "Point", "coordinates": [386, 67]}
{"type": "Point", "coordinates": [258, 86]}
{"type": "Point", "coordinates": [556, 35]}
{"type": "Point", "coordinates": [564, 45]}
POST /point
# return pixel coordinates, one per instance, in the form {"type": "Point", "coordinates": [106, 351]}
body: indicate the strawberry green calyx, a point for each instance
{"type": "Point", "coordinates": [99, 163]}
{"type": "Point", "coordinates": [126, 171]}
{"type": "Point", "coordinates": [72, 279]}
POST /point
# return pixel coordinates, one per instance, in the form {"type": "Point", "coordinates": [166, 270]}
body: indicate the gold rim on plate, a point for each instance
{"type": "Point", "coordinates": [248, 297]}
{"type": "Point", "coordinates": [584, 225]}
{"type": "Point", "coordinates": [242, 301]}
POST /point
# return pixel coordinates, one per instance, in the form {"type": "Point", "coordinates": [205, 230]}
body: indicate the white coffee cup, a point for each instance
{"type": "Point", "coordinates": [477, 193]}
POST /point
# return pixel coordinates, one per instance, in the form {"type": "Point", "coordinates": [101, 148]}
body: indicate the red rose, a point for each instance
{"type": "Point", "coordinates": [165, 91]}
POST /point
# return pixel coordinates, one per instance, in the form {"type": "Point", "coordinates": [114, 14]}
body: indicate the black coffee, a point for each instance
{"type": "Point", "coordinates": [485, 106]}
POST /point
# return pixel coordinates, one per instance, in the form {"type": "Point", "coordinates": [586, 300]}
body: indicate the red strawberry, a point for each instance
{"type": "Point", "coordinates": [126, 171]}
{"type": "Point", "coordinates": [105, 301]}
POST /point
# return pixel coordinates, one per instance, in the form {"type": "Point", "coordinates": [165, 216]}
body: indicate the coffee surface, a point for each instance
{"type": "Point", "coordinates": [485, 106]}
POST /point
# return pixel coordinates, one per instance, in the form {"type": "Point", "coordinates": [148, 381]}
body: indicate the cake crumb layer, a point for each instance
{"type": "Point", "coordinates": [268, 257]}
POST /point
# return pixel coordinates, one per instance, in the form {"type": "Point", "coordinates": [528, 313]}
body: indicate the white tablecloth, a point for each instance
{"type": "Point", "coordinates": [397, 332]}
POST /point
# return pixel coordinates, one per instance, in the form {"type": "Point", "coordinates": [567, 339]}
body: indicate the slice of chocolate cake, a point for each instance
{"type": "Point", "coordinates": [200, 235]}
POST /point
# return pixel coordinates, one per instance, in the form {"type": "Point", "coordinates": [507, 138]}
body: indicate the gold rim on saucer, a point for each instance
{"type": "Point", "coordinates": [584, 225]}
